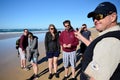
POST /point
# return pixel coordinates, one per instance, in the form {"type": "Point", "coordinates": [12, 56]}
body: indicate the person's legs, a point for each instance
{"type": "Point", "coordinates": [50, 64]}
{"type": "Point", "coordinates": [66, 63]}
{"type": "Point", "coordinates": [21, 63]}
{"type": "Point", "coordinates": [24, 62]}
{"type": "Point", "coordinates": [23, 58]}
{"type": "Point", "coordinates": [55, 59]}
{"type": "Point", "coordinates": [73, 72]}
{"type": "Point", "coordinates": [66, 71]}
{"type": "Point", "coordinates": [55, 67]}
{"type": "Point", "coordinates": [73, 63]}
{"type": "Point", "coordinates": [35, 65]}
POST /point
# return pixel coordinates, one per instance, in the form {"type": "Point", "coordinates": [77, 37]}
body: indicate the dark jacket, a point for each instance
{"type": "Point", "coordinates": [23, 42]}
{"type": "Point", "coordinates": [68, 37]}
{"type": "Point", "coordinates": [52, 45]}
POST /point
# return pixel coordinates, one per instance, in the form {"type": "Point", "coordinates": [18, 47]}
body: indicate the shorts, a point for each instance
{"type": "Point", "coordinates": [34, 60]}
{"type": "Point", "coordinates": [52, 54]}
{"type": "Point", "coordinates": [69, 57]}
{"type": "Point", "coordinates": [22, 55]}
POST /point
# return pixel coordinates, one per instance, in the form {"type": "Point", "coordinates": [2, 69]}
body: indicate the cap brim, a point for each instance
{"type": "Point", "coordinates": [91, 14]}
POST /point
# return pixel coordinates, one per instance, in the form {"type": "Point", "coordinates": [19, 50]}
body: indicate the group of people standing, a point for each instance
{"type": "Point", "coordinates": [101, 58]}
{"type": "Point", "coordinates": [53, 43]}
{"type": "Point", "coordinates": [66, 41]}
{"type": "Point", "coordinates": [30, 41]}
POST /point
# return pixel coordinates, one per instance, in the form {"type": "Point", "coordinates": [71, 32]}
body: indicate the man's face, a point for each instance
{"type": "Point", "coordinates": [67, 26]}
{"type": "Point", "coordinates": [84, 28]}
{"type": "Point", "coordinates": [104, 23]}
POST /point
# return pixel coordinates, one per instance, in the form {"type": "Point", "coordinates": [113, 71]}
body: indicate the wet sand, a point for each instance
{"type": "Point", "coordinates": [10, 63]}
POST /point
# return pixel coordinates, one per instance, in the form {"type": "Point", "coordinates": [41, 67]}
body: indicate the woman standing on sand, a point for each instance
{"type": "Point", "coordinates": [22, 49]}
{"type": "Point", "coordinates": [33, 53]}
{"type": "Point", "coordinates": [52, 49]}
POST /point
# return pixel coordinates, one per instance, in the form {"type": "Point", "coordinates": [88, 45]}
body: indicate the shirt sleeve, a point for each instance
{"type": "Point", "coordinates": [33, 46]}
{"type": "Point", "coordinates": [106, 57]}
{"type": "Point", "coordinates": [46, 42]}
{"type": "Point", "coordinates": [61, 39]}
{"type": "Point", "coordinates": [22, 42]}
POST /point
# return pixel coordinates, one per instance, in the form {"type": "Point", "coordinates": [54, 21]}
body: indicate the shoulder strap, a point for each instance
{"type": "Point", "coordinates": [89, 51]}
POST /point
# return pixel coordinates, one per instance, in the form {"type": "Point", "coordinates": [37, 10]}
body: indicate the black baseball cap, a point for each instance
{"type": "Point", "coordinates": [103, 8]}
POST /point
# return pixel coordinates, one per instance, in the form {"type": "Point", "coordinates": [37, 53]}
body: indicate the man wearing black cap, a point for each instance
{"type": "Point", "coordinates": [102, 57]}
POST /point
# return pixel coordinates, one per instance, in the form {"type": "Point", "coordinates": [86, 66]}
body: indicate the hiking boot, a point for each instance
{"type": "Point", "coordinates": [65, 78]}
{"type": "Point", "coordinates": [57, 75]}
{"type": "Point", "coordinates": [50, 76]}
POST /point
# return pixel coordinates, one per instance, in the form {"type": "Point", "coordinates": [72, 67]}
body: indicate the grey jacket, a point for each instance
{"type": "Point", "coordinates": [33, 47]}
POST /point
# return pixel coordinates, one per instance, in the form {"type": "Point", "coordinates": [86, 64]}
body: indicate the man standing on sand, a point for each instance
{"type": "Point", "coordinates": [22, 48]}
{"type": "Point", "coordinates": [104, 51]}
{"type": "Point", "coordinates": [87, 34]}
{"type": "Point", "coordinates": [69, 43]}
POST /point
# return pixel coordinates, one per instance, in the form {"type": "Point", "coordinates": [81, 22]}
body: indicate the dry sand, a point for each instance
{"type": "Point", "coordinates": [10, 63]}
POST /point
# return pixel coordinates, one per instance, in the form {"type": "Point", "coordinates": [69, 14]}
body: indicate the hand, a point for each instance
{"type": "Point", "coordinates": [64, 45]}
{"type": "Point", "coordinates": [79, 30]}
{"type": "Point", "coordinates": [77, 34]}
{"type": "Point", "coordinates": [24, 51]}
{"type": "Point", "coordinates": [69, 45]}
{"type": "Point", "coordinates": [91, 78]}
{"type": "Point", "coordinates": [53, 36]}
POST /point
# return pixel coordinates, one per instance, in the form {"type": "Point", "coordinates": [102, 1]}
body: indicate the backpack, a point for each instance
{"type": "Point", "coordinates": [17, 43]}
{"type": "Point", "coordinates": [89, 54]}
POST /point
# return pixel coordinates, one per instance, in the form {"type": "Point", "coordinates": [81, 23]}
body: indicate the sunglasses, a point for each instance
{"type": "Point", "coordinates": [51, 28]}
{"type": "Point", "coordinates": [100, 16]}
{"type": "Point", "coordinates": [67, 25]}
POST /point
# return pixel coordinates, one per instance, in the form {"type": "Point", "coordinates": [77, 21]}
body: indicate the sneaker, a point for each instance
{"type": "Point", "coordinates": [65, 78]}
{"type": "Point", "coordinates": [36, 77]}
{"type": "Point", "coordinates": [50, 76]}
{"type": "Point", "coordinates": [72, 79]}
{"type": "Point", "coordinates": [57, 75]}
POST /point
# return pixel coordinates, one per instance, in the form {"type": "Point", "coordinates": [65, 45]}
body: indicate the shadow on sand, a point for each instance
{"type": "Point", "coordinates": [60, 69]}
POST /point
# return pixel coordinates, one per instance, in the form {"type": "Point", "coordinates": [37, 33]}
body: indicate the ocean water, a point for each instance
{"type": "Point", "coordinates": [19, 30]}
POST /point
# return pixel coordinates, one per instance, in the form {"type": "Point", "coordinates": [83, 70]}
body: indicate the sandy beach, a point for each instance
{"type": "Point", "coordinates": [10, 62]}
